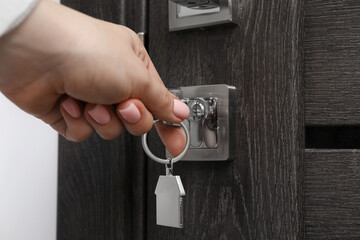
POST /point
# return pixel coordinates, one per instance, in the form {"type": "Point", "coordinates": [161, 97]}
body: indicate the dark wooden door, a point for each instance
{"type": "Point", "coordinates": [296, 67]}
{"type": "Point", "coordinates": [332, 116]}
{"type": "Point", "coordinates": [258, 195]}
{"type": "Point", "coordinates": [102, 184]}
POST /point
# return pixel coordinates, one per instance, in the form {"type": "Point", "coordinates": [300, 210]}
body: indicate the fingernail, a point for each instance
{"type": "Point", "coordinates": [131, 113]}
{"type": "Point", "coordinates": [71, 107]}
{"type": "Point", "coordinates": [181, 110]}
{"type": "Point", "coordinates": [100, 114]}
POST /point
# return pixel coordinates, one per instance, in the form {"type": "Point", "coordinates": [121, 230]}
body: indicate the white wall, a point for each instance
{"type": "Point", "coordinates": [28, 176]}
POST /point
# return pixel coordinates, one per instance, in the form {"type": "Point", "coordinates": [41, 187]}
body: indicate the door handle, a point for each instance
{"type": "Point", "coordinates": [187, 14]}
{"type": "Point", "coordinates": [198, 4]}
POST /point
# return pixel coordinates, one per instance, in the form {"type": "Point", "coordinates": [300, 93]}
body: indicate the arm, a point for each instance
{"type": "Point", "coordinates": [68, 69]}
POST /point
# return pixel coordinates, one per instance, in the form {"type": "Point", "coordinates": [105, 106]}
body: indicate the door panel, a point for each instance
{"type": "Point", "coordinates": [258, 195]}
{"type": "Point", "coordinates": [331, 193]}
{"type": "Point", "coordinates": [332, 62]}
{"type": "Point", "coordinates": [332, 110]}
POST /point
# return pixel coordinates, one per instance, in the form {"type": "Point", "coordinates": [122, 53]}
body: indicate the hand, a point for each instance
{"type": "Point", "coordinates": [69, 70]}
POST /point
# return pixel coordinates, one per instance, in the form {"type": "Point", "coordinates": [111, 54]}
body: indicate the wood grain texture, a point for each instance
{"type": "Point", "coordinates": [101, 190]}
{"type": "Point", "coordinates": [332, 196]}
{"type": "Point", "coordinates": [258, 195]}
{"type": "Point", "coordinates": [101, 184]}
{"type": "Point", "coordinates": [332, 62]}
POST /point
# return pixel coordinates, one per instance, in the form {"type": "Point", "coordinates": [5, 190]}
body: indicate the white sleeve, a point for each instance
{"type": "Point", "coordinates": [12, 12]}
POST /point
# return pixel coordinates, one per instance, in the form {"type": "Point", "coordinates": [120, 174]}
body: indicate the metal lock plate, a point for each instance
{"type": "Point", "coordinates": [187, 14]}
{"type": "Point", "coordinates": [211, 121]}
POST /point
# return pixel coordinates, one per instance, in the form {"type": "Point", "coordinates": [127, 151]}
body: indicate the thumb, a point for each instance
{"type": "Point", "coordinates": [158, 100]}
{"type": "Point", "coordinates": [150, 88]}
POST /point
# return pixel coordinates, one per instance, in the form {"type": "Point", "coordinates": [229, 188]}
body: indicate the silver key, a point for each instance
{"type": "Point", "coordinates": [169, 200]}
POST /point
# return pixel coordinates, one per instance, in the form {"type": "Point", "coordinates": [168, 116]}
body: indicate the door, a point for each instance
{"type": "Point", "coordinates": [285, 58]}
{"type": "Point", "coordinates": [102, 184]}
{"type": "Point", "coordinates": [258, 195]}
{"type": "Point", "coordinates": [332, 108]}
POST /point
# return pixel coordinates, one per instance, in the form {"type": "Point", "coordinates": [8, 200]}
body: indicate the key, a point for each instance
{"type": "Point", "coordinates": [169, 199]}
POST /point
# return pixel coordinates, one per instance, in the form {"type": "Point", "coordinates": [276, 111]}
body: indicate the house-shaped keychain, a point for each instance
{"type": "Point", "coordinates": [169, 201]}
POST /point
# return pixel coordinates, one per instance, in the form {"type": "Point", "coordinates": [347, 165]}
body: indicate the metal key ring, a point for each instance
{"type": "Point", "coordinates": [166, 161]}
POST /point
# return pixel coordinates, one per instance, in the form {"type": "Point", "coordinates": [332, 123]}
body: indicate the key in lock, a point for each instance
{"type": "Point", "coordinates": [211, 122]}
{"type": "Point", "coordinates": [202, 122]}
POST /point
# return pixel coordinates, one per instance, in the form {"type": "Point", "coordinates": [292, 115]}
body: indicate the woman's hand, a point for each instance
{"type": "Point", "coordinates": [81, 75]}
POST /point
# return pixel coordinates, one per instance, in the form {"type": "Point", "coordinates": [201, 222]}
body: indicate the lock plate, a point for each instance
{"type": "Point", "coordinates": [186, 14]}
{"type": "Point", "coordinates": [211, 121]}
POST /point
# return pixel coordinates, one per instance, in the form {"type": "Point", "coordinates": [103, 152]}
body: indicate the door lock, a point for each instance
{"type": "Point", "coordinates": [202, 121]}
{"type": "Point", "coordinates": [211, 121]}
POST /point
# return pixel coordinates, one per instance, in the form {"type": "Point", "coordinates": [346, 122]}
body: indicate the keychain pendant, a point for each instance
{"type": "Point", "coordinates": [169, 189]}
{"type": "Point", "coordinates": [169, 201]}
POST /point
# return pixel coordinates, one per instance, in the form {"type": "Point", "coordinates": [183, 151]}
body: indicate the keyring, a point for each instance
{"type": "Point", "coordinates": [167, 161]}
